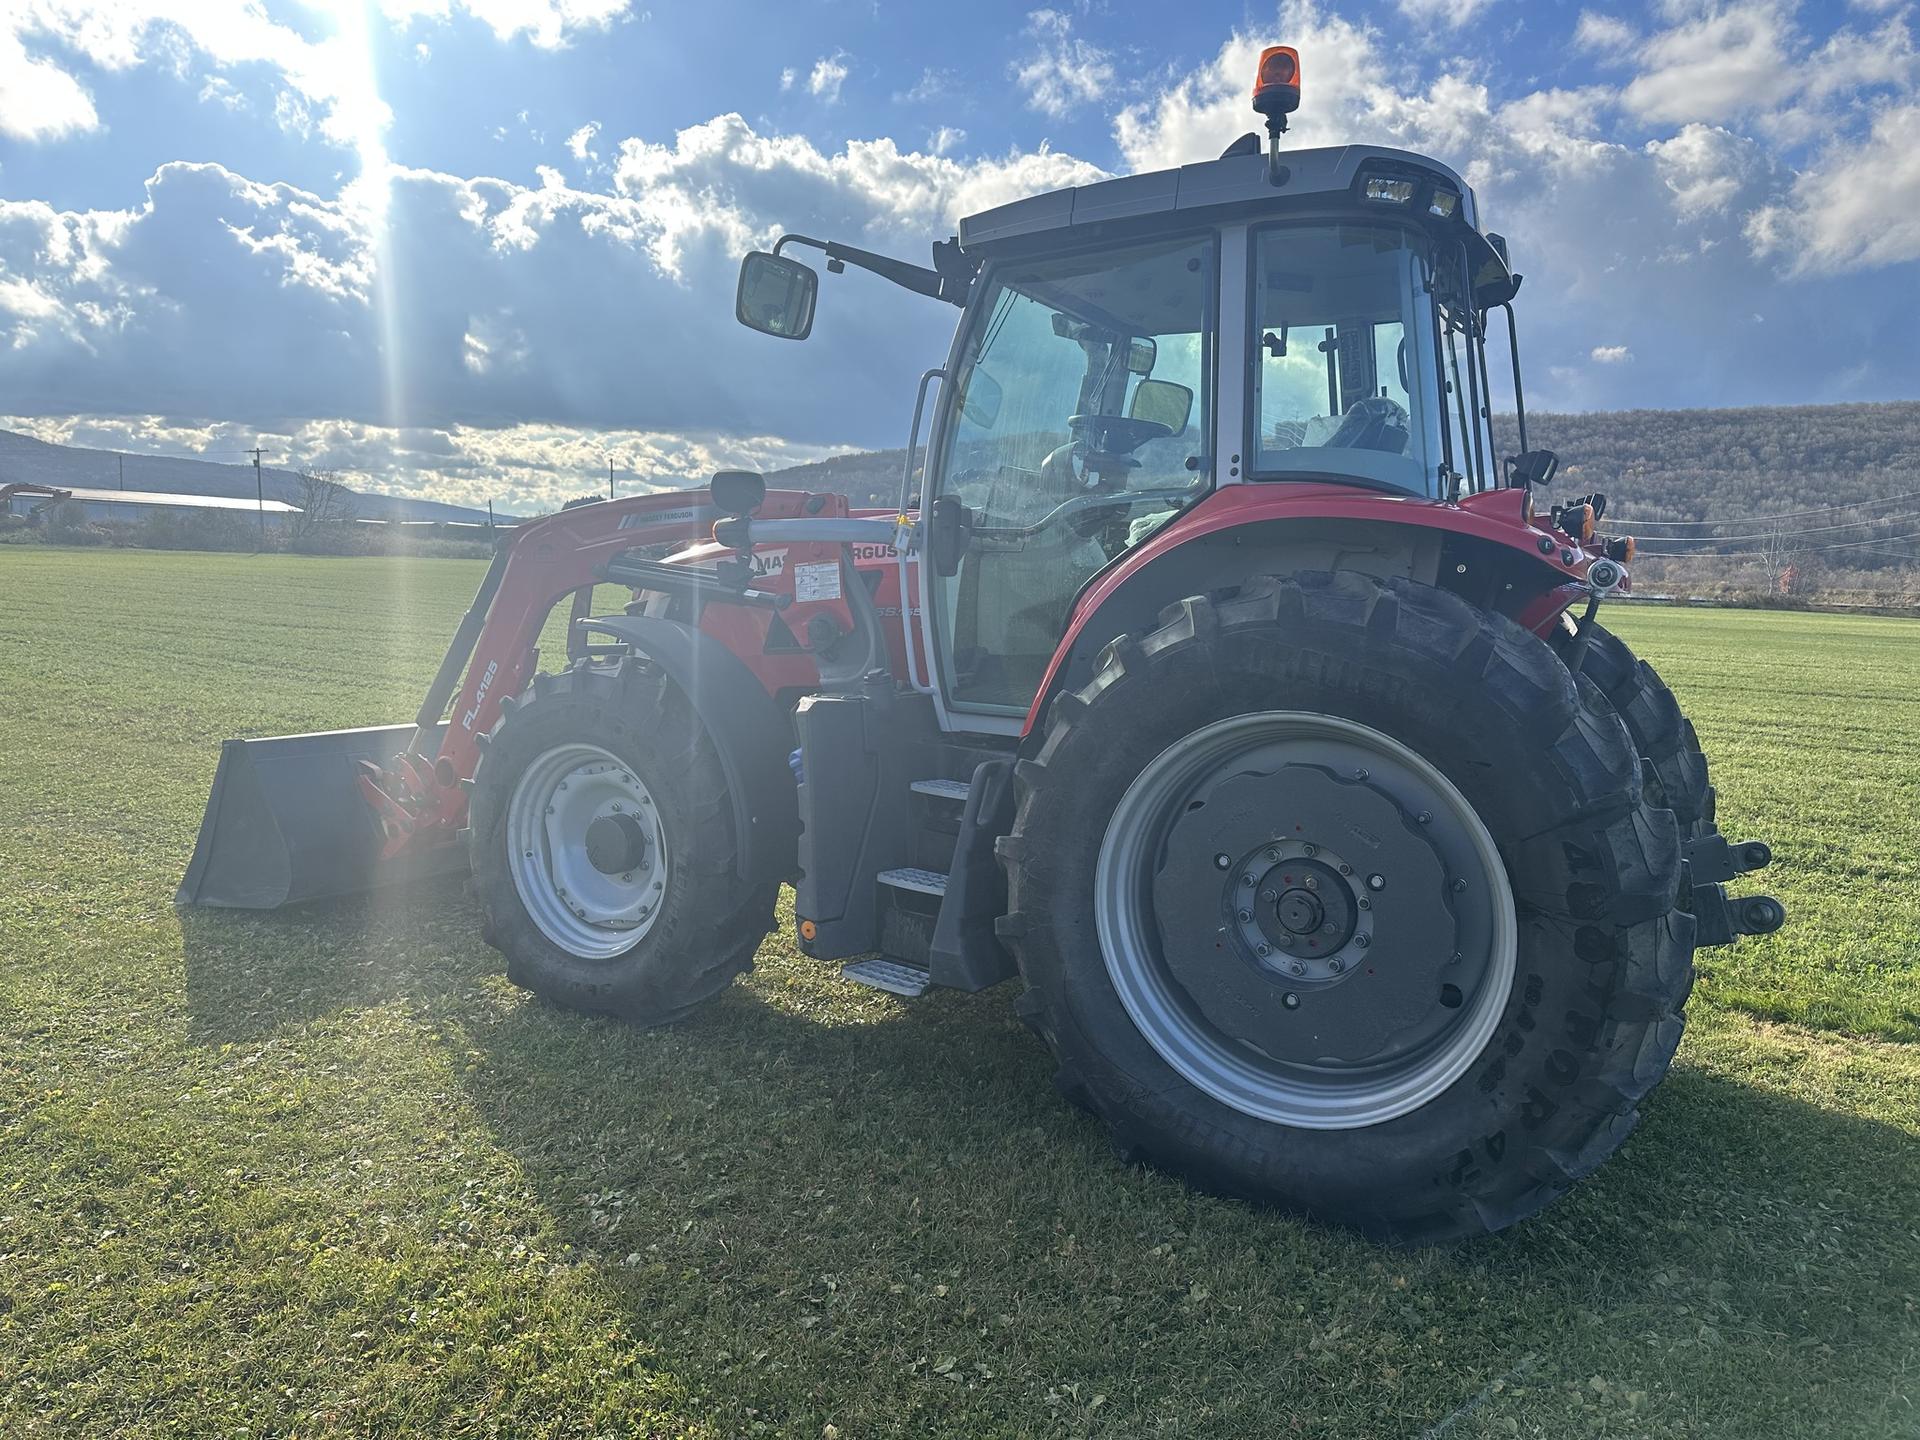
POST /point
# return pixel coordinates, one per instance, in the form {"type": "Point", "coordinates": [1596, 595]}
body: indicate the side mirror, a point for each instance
{"type": "Point", "coordinates": [737, 492]}
{"type": "Point", "coordinates": [981, 404]}
{"type": "Point", "coordinates": [776, 296]}
{"type": "Point", "coordinates": [1142, 351]}
{"type": "Point", "coordinates": [1532, 467]}
{"type": "Point", "coordinates": [1162, 402]}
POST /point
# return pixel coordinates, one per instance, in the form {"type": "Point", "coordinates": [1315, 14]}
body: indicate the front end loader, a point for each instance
{"type": "Point", "coordinates": [1223, 677]}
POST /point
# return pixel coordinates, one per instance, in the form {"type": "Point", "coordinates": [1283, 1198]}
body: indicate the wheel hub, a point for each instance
{"type": "Point", "coordinates": [1305, 918]}
{"type": "Point", "coordinates": [616, 844]}
{"type": "Point", "coordinates": [587, 850]}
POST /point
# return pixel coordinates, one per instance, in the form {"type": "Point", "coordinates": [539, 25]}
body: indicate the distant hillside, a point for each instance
{"type": "Point", "coordinates": [22, 458]}
{"type": "Point", "coordinates": [1652, 464]}
{"type": "Point", "coordinates": [1736, 464]}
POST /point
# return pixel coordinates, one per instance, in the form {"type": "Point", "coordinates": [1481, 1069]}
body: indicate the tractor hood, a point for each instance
{"type": "Point", "coordinates": [1236, 180]}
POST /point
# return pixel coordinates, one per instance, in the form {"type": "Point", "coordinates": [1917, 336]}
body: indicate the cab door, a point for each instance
{"type": "Point", "coordinates": [1077, 424]}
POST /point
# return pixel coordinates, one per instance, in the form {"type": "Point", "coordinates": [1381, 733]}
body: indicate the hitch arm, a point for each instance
{"type": "Point", "coordinates": [1720, 918]}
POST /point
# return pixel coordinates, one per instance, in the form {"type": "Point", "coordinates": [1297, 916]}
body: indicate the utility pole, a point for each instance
{"type": "Point", "coordinates": [259, 494]}
{"type": "Point", "coordinates": [610, 477]}
{"type": "Point", "coordinates": [490, 525]}
{"type": "Point", "coordinates": [123, 470]}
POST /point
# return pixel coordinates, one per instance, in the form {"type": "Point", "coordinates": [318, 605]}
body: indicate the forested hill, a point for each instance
{"type": "Point", "coordinates": [1652, 464]}
{"type": "Point", "coordinates": [1732, 464]}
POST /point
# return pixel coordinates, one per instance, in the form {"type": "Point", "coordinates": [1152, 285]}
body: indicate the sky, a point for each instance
{"type": "Point", "coordinates": [475, 249]}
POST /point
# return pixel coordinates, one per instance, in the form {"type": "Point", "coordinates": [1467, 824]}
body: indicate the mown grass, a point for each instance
{"type": "Point", "coordinates": [326, 1173]}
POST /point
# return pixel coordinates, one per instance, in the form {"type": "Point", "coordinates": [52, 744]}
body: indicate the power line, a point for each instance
{"type": "Point", "coordinates": [1760, 519]}
{"type": "Point", "coordinates": [1870, 521]}
{"type": "Point", "coordinates": [1802, 549]}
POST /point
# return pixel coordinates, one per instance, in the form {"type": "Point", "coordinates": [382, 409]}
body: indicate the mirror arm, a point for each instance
{"type": "Point", "coordinates": [916, 278]}
{"type": "Point", "coordinates": [1519, 396]}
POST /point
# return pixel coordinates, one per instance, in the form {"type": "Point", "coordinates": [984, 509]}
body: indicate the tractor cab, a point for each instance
{"type": "Point", "coordinates": [1132, 349]}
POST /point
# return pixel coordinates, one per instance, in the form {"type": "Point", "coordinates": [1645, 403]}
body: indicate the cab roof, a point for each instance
{"type": "Point", "coordinates": [1236, 179]}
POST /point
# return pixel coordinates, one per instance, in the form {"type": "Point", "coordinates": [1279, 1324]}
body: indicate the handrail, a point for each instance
{"type": "Point", "coordinates": [924, 687]}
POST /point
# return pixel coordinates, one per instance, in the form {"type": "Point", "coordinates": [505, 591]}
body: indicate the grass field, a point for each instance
{"type": "Point", "coordinates": [327, 1173]}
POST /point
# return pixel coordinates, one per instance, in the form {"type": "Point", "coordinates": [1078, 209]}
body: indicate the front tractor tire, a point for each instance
{"type": "Point", "coordinates": [603, 847]}
{"type": "Point", "coordinates": [1342, 894]}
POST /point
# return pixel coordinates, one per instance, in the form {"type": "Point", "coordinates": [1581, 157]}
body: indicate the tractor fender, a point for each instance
{"type": "Point", "coordinates": [1242, 531]}
{"type": "Point", "coordinates": [752, 734]}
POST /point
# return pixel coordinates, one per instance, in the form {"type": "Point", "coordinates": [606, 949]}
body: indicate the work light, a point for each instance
{"type": "Point", "coordinates": [1389, 192]}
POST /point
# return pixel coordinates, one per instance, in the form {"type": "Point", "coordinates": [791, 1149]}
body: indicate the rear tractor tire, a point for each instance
{"type": "Point", "coordinates": [603, 847]}
{"type": "Point", "coordinates": [1343, 895]}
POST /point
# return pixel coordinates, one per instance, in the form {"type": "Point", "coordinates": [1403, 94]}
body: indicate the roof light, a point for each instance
{"type": "Point", "coordinates": [1442, 204]}
{"type": "Point", "coordinates": [1276, 84]}
{"type": "Point", "coordinates": [1389, 192]}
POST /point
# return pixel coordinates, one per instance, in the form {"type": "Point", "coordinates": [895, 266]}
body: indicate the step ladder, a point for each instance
{"type": "Point", "coordinates": [910, 975]}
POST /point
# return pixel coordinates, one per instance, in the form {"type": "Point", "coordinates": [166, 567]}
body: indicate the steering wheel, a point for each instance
{"type": "Point", "coordinates": [1115, 434]}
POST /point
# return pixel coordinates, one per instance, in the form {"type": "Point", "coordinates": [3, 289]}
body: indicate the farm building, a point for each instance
{"type": "Point", "coordinates": [130, 507]}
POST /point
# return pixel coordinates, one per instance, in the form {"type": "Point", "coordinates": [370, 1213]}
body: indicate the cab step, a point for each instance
{"type": "Point", "coordinates": [942, 789]}
{"type": "Point", "coordinates": [896, 977]}
{"type": "Point", "coordinates": [927, 882]}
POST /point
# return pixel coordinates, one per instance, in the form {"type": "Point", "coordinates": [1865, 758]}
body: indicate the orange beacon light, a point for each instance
{"type": "Point", "coordinates": [1276, 85]}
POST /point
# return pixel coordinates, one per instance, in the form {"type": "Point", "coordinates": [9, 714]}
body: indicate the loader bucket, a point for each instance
{"type": "Point", "coordinates": [286, 822]}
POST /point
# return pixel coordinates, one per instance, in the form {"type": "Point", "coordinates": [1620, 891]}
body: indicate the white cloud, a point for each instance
{"type": "Point", "coordinates": [1062, 72]}
{"type": "Point", "coordinates": [580, 143]}
{"type": "Point", "coordinates": [1454, 14]}
{"type": "Point", "coordinates": [828, 75]}
{"type": "Point", "coordinates": [1606, 35]}
{"type": "Point", "coordinates": [522, 468]}
{"type": "Point", "coordinates": [1857, 205]}
{"type": "Point", "coordinates": [787, 78]}
{"type": "Point", "coordinates": [554, 306]}
{"type": "Point", "coordinates": [548, 24]}
{"type": "Point", "coordinates": [1727, 62]}
{"type": "Point", "coordinates": [1706, 167]}
{"type": "Point", "coordinates": [946, 138]}
{"type": "Point", "coordinates": [39, 100]}
{"type": "Point", "coordinates": [1611, 354]}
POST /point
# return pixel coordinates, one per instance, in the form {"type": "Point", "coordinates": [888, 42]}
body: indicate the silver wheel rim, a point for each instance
{"type": "Point", "coordinates": [1238, 1075]}
{"type": "Point", "coordinates": [585, 910]}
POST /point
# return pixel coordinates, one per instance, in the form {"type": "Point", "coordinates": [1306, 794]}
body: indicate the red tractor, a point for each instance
{"type": "Point", "coordinates": [1216, 679]}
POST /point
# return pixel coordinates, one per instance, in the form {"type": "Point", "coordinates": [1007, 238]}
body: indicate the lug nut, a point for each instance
{"type": "Point", "coordinates": [1345, 869]}
{"type": "Point", "coordinates": [1364, 903]}
{"type": "Point", "coordinates": [1274, 854]}
{"type": "Point", "coordinates": [1290, 1000]}
{"type": "Point", "coordinates": [1312, 850]}
{"type": "Point", "coordinates": [1245, 916]}
{"type": "Point", "coordinates": [1311, 883]}
{"type": "Point", "coordinates": [1459, 884]}
{"type": "Point", "coordinates": [1222, 861]}
{"type": "Point", "coordinates": [1376, 882]}
{"type": "Point", "coordinates": [1363, 940]}
{"type": "Point", "coordinates": [1263, 948]}
{"type": "Point", "coordinates": [1269, 896]}
{"type": "Point", "coordinates": [1246, 880]}
{"type": "Point", "coordinates": [1336, 964]}
{"type": "Point", "coordinates": [1426, 817]}
{"type": "Point", "coordinates": [1297, 968]}
{"type": "Point", "coordinates": [1360, 774]}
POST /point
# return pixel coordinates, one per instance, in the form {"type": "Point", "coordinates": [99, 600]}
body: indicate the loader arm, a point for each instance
{"type": "Point", "coordinates": [419, 795]}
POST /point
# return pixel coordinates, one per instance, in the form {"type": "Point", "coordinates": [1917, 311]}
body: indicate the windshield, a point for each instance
{"type": "Point", "coordinates": [1078, 427]}
{"type": "Point", "coordinates": [1345, 383]}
